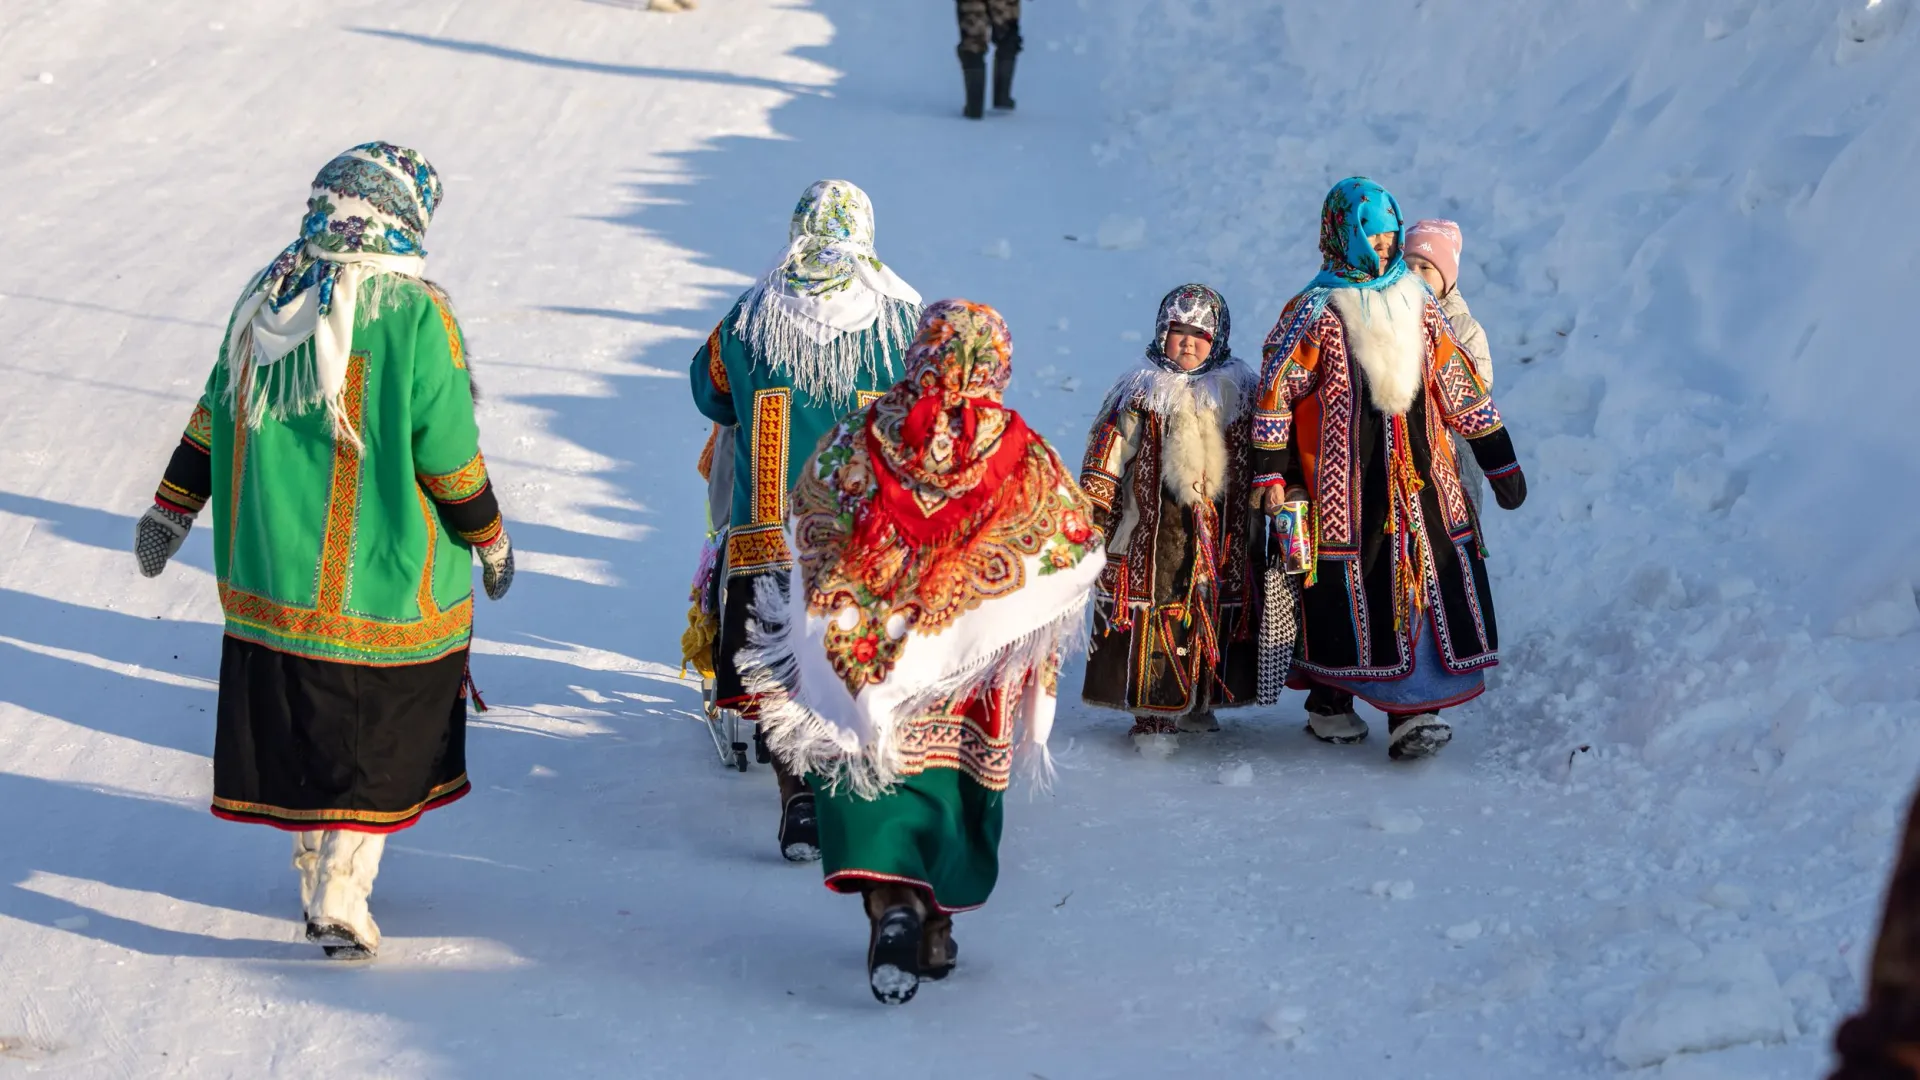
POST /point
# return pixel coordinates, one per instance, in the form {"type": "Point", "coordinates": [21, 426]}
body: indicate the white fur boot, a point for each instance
{"type": "Point", "coordinates": [340, 921]}
{"type": "Point", "coordinates": [306, 860]}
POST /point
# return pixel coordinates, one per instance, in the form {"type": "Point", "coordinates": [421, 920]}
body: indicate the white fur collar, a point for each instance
{"type": "Point", "coordinates": [1195, 412]}
{"type": "Point", "coordinates": [1387, 338]}
{"type": "Point", "coordinates": [1226, 389]}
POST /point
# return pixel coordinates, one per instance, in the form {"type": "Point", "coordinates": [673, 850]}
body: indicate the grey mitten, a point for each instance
{"type": "Point", "coordinates": [157, 537]}
{"type": "Point", "coordinates": [496, 566]}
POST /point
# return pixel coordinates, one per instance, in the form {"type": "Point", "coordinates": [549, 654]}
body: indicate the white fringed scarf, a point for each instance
{"type": "Point", "coordinates": [366, 218]}
{"type": "Point", "coordinates": [806, 314]}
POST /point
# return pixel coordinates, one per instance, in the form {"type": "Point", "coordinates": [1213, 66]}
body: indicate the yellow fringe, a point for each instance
{"type": "Point", "coordinates": [696, 644]}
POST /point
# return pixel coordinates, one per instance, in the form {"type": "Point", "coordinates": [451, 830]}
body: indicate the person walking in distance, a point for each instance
{"type": "Point", "coordinates": [337, 444]}
{"type": "Point", "coordinates": [983, 21]}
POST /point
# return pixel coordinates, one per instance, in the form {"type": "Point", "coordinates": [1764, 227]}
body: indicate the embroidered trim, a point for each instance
{"type": "Point", "coordinates": [456, 345]}
{"type": "Point", "coordinates": [716, 367]}
{"type": "Point", "coordinates": [864, 398]}
{"type": "Point", "coordinates": [175, 497]}
{"type": "Point", "coordinates": [1495, 474]}
{"type": "Point", "coordinates": [343, 499]}
{"type": "Point", "coordinates": [334, 635]}
{"type": "Point", "coordinates": [947, 741]}
{"type": "Point", "coordinates": [423, 596]}
{"type": "Point", "coordinates": [1272, 430]}
{"type": "Point", "coordinates": [460, 485]}
{"type": "Point", "coordinates": [387, 821]}
{"type": "Point", "coordinates": [485, 535]}
{"type": "Point", "coordinates": [770, 408]}
{"type": "Point", "coordinates": [757, 548]}
{"type": "Point", "coordinates": [834, 879]}
{"type": "Point", "coordinates": [705, 465]}
{"type": "Point", "coordinates": [199, 432]}
{"type": "Point", "coordinates": [240, 432]}
{"type": "Point", "coordinates": [1101, 490]}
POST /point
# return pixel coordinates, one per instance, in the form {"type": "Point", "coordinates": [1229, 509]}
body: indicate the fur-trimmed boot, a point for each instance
{"type": "Point", "coordinates": [1331, 719]}
{"type": "Point", "coordinates": [973, 70]}
{"type": "Point", "coordinates": [306, 861]}
{"type": "Point", "coordinates": [1152, 735]}
{"type": "Point", "coordinates": [339, 921]}
{"type": "Point", "coordinates": [1411, 737]}
{"type": "Point", "coordinates": [938, 951]}
{"type": "Point", "coordinates": [897, 917]}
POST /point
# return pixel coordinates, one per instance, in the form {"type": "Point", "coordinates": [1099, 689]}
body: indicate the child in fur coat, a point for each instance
{"type": "Point", "coordinates": [1433, 252]}
{"type": "Point", "coordinates": [1167, 471]}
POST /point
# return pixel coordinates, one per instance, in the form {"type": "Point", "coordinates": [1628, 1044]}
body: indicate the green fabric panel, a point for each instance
{"type": "Point", "coordinates": [808, 420]}
{"type": "Point", "coordinates": [415, 402]}
{"type": "Point", "coordinates": [941, 828]}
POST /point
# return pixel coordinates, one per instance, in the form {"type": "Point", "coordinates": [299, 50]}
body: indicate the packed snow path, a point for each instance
{"type": "Point", "coordinates": [1659, 841]}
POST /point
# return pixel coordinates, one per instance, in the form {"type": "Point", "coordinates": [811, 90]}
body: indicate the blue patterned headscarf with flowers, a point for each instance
{"type": "Point", "coordinates": [1356, 209]}
{"type": "Point", "coordinates": [375, 199]}
{"type": "Point", "coordinates": [366, 219]}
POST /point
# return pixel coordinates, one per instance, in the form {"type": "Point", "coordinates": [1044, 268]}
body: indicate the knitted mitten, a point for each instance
{"type": "Point", "coordinates": [157, 537]}
{"type": "Point", "coordinates": [496, 566]}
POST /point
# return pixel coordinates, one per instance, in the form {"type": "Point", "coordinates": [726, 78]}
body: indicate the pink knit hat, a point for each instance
{"type": "Point", "coordinates": [1437, 240]}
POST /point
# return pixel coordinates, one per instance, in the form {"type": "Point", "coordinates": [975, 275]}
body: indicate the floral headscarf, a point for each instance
{"type": "Point", "coordinates": [367, 215]}
{"type": "Point", "coordinates": [1201, 308]}
{"type": "Point", "coordinates": [1358, 208]}
{"type": "Point", "coordinates": [942, 433]}
{"type": "Point", "coordinates": [806, 315]}
{"type": "Point", "coordinates": [911, 516]}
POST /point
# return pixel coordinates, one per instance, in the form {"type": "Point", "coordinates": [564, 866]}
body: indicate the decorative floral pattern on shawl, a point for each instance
{"type": "Point", "coordinates": [927, 504]}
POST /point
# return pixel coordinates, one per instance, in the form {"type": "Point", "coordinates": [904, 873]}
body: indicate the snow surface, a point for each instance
{"type": "Point", "coordinates": [1658, 843]}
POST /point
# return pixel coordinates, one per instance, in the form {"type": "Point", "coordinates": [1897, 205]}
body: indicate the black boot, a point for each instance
{"type": "Point", "coordinates": [1006, 46]}
{"type": "Point", "coordinates": [973, 66]}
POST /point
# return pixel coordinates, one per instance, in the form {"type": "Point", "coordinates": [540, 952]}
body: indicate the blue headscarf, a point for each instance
{"type": "Point", "coordinates": [1356, 209]}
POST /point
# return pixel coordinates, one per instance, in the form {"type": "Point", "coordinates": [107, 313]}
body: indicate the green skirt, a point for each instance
{"type": "Point", "coordinates": [938, 831]}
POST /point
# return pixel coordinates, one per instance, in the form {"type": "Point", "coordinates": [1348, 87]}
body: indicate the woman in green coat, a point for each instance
{"type": "Point", "coordinates": [337, 446]}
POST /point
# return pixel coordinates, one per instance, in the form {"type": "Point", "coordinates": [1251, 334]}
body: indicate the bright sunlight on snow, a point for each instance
{"type": "Point", "coordinates": [1659, 842]}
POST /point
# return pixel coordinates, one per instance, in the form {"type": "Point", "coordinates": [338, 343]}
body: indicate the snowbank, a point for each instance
{"type": "Point", "coordinates": [1685, 238]}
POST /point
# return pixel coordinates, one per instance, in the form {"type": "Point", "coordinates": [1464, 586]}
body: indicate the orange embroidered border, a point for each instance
{"type": "Point", "coordinates": [343, 500]}
{"type": "Point", "coordinates": [249, 616]}
{"type": "Point", "coordinates": [424, 595]}
{"type": "Point", "coordinates": [371, 817]}
{"type": "Point", "coordinates": [456, 346]}
{"type": "Point", "coordinates": [459, 485]}
{"type": "Point", "coordinates": [868, 397]}
{"type": "Point", "coordinates": [716, 367]}
{"type": "Point", "coordinates": [200, 428]}
{"type": "Point", "coordinates": [770, 455]}
{"type": "Point", "coordinates": [750, 550]}
{"type": "Point", "coordinates": [239, 474]}
{"type": "Point", "coordinates": [705, 464]}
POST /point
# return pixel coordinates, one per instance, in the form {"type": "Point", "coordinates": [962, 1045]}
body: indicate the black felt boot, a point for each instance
{"type": "Point", "coordinates": [973, 67]}
{"type": "Point", "coordinates": [1006, 46]}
